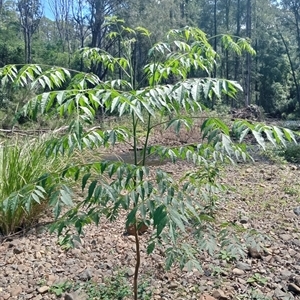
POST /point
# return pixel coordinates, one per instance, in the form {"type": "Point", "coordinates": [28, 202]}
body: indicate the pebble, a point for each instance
{"type": "Point", "coordinates": [43, 289]}
{"type": "Point", "coordinates": [237, 271]}
{"type": "Point", "coordinates": [243, 266]}
{"type": "Point", "coordinates": [254, 253]}
{"type": "Point", "coordinates": [292, 252]}
{"type": "Point", "coordinates": [286, 237]}
{"type": "Point", "coordinates": [5, 296]}
{"type": "Point", "coordinates": [131, 238]}
{"type": "Point", "coordinates": [86, 275]}
{"type": "Point", "coordinates": [296, 210]}
{"type": "Point", "coordinates": [15, 290]}
{"type": "Point", "coordinates": [296, 242]}
{"type": "Point", "coordinates": [285, 274]}
{"type": "Point", "coordinates": [297, 280]}
{"type": "Point", "coordinates": [207, 297]}
{"type": "Point", "coordinates": [220, 295]}
{"type": "Point", "coordinates": [268, 258]}
{"type": "Point", "coordinates": [17, 250]}
{"type": "Point", "coordinates": [294, 288]}
{"type": "Point", "coordinates": [76, 296]}
{"type": "Point", "coordinates": [130, 272]}
{"type": "Point", "coordinates": [244, 220]}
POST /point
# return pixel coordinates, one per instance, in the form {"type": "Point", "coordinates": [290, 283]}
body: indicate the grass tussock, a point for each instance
{"type": "Point", "coordinates": [25, 184]}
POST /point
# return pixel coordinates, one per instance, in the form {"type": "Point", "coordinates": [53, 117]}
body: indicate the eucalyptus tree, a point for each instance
{"type": "Point", "coordinates": [80, 16]}
{"type": "Point", "coordinates": [292, 10]}
{"type": "Point", "coordinates": [160, 16]}
{"type": "Point", "coordinates": [62, 13]}
{"type": "Point", "coordinates": [98, 11]}
{"type": "Point", "coordinates": [271, 72]}
{"type": "Point", "coordinates": [30, 13]}
{"type": "Point", "coordinates": [290, 17]}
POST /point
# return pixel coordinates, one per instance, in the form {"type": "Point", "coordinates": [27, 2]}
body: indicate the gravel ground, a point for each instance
{"type": "Point", "coordinates": [264, 197]}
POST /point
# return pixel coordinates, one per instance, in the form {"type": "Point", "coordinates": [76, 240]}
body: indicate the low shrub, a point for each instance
{"type": "Point", "coordinates": [292, 153]}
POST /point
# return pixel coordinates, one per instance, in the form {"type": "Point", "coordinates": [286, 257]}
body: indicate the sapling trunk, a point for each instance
{"type": "Point", "coordinates": [137, 264]}
{"type": "Point", "coordinates": [147, 138]}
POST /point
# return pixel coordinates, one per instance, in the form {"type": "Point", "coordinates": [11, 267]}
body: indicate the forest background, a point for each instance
{"type": "Point", "coordinates": [51, 32]}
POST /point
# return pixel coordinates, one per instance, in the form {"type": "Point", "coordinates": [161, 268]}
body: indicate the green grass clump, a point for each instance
{"type": "Point", "coordinates": [25, 188]}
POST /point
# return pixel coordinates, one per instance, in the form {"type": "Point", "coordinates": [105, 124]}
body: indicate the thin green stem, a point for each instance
{"type": "Point", "coordinates": [147, 138]}
{"type": "Point", "coordinates": [134, 125]}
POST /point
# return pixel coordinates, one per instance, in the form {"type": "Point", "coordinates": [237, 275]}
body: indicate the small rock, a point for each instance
{"type": "Point", "coordinates": [297, 280]}
{"type": "Point", "coordinates": [86, 275]}
{"type": "Point", "coordinates": [17, 250]}
{"type": "Point", "coordinates": [244, 220]}
{"type": "Point", "coordinates": [243, 266]}
{"type": "Point", "coordinates": [51, 279]}
{"type": "Point", "coordinates": [43, 289]}
{"type": "Point", "coordinates": [285, 274]}
{"type": "Point", "coordinates": [37, 255]}
{"type": "Point", "coordinates": [294, 288]}
{"type": "Point", "coordinates": [207, 297]}
{"type": "Point", "coordinates": [130, 272]}
{"type": "Point", "coordinates": [219, 294]}
{"type": "Point", "coordinates": [15, 290]}
{"type": "Point", "coordinates": [76, 251]}
{"type": "Point", "coordinates": [173, 285]}
{"type": "Point", "coordinates": [254, 252]}
{"type": "Point", "coordinates": [76, 296]}
{"type": "Point", "coordinates": [297, 210]}
{"type": "Point", "coordinates": [296, 242]}
{"type": "Point", "coordinates": [268, 258]}
{"type": "Point", "coordinates": [242, 281]}
{"type": "Point", "coordinates": [268, 251]}
{"type": "Point", "coordinates": [77, 244]}
{"type": "Point", "coordinates": [59, 270]}
{"type": "Point", "coordinates": [5, 296]}
{"type": "Point", "coordinates": [292, 252]}
{"type": "Point", "coordinates": [156, 291]}
{"type": "Point", "coordinates": [70, 261]}
{"type": "Point", "coordinates": [131, 238]}
{"type": "Point", "coordinates": [286, 237]}
{"type": "Point", "coordinates": [237, 271]}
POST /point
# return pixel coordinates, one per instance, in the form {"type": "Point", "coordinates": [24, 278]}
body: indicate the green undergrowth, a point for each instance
{"type": "Point", "coordinates": [291, 153]}
{"type": "Point", "coordinates": [116, 287]}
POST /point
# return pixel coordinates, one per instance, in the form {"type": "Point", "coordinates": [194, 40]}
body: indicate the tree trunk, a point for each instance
{"type": "Point", "coordinates": [215, 32]}
{"type": "Point", "coordinates": [30, 14]}
{"type": "Point", "coordinates": [297, 19]}
{"type": "Point", "coordinates": [292, 66]}
{"type": "Point", "coordinates": [28, 61]}
{"type": "Point", "coordinates": [226, 50]}
{"type": "Point", "coordinates": [27, 46]}
{"type": "Point", "coordinates": [238, 30]}
{"type": "Point", "coordinates": [248, 56]}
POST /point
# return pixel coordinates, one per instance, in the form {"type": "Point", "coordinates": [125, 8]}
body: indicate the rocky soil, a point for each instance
{"type": "Point", "coordinates": [264, 196]}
